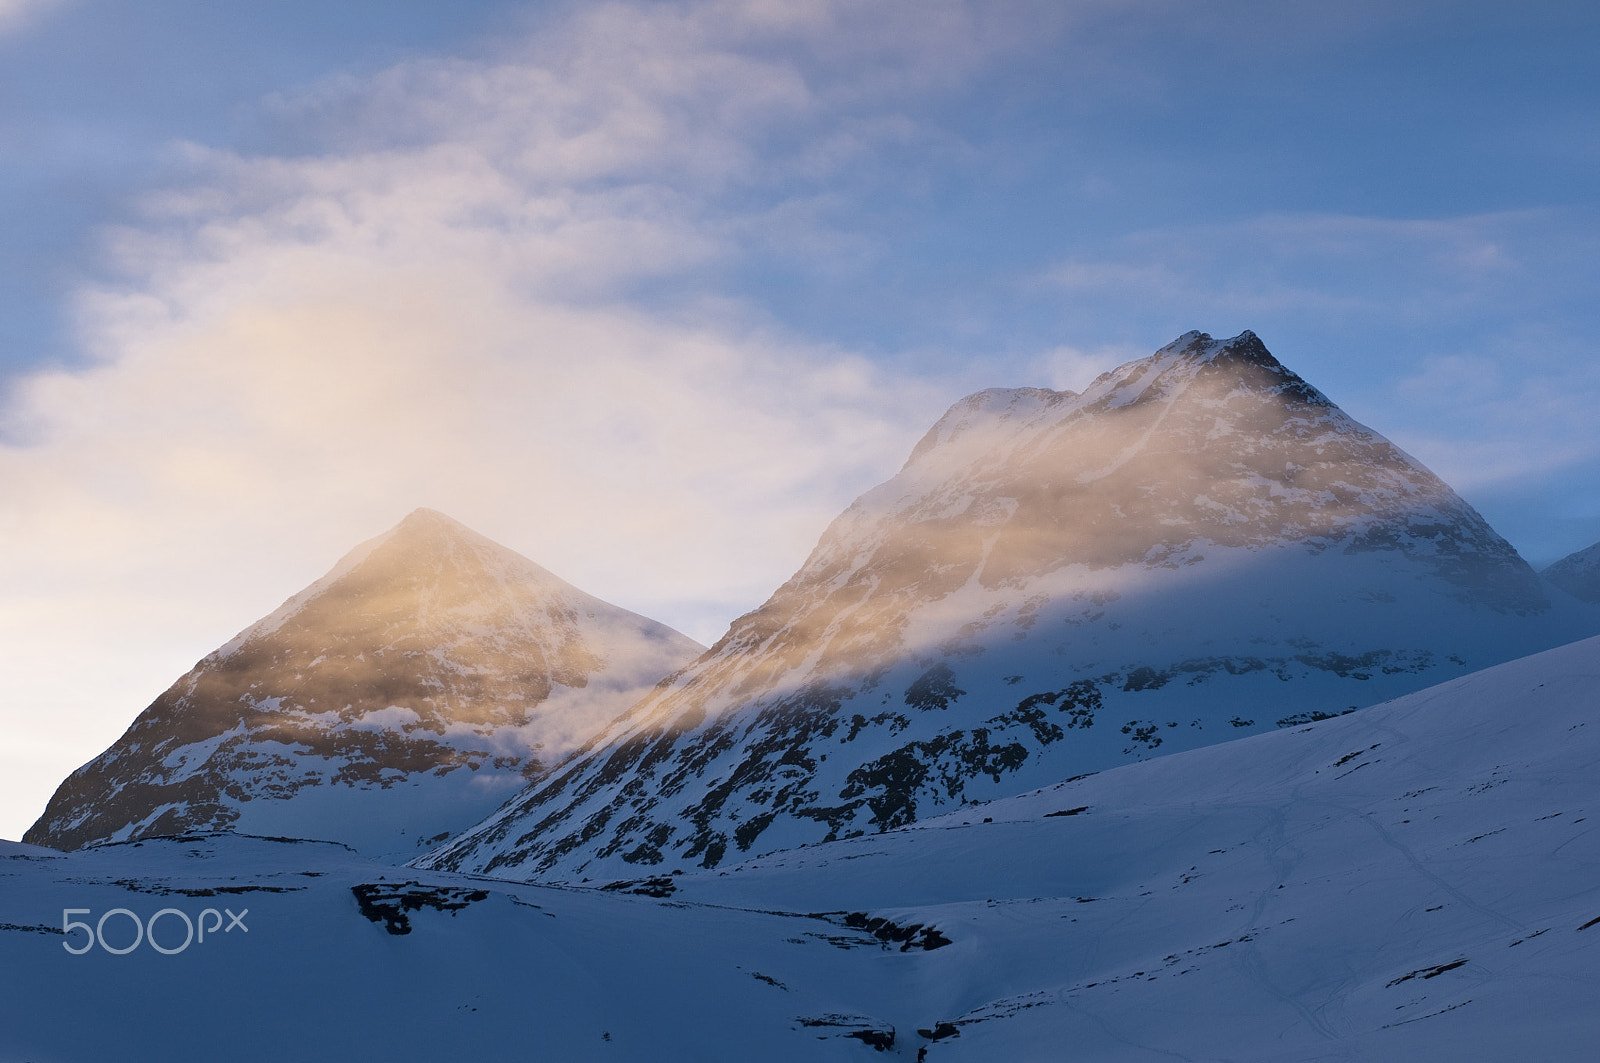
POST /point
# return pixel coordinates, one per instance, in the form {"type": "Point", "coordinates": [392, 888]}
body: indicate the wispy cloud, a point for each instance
{"type": "Point", "coordinates": [429, 304]}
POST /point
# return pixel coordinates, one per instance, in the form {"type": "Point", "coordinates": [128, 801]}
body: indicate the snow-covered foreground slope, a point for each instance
{"type": "Point", "coordinates": [444, 968]}
{"type": "Point", "coordinates": [1199, 546]}
{"type": "Point", "coordinates": [392, 703]}
{"type": "Point", "coordinates": [1416, 881]}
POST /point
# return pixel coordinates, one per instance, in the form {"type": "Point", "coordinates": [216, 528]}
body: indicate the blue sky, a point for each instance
{"type": "Point", "coordinates": [649, 291]}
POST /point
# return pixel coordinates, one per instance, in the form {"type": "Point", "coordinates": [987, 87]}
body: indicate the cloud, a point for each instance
{"type": "Point", "coordinates": [435, 299]}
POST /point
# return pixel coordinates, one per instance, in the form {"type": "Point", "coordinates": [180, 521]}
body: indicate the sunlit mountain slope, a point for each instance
{"type": "Point", "coordinates": [398, 699]}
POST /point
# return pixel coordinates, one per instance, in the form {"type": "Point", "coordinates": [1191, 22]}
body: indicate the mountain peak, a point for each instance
{"type": "Point", "coordinates": [1204, 346]}
{"type": "Point", "coordinates": [1205, 441]}
{"type": "Point", "coordinates": [426, 529]}
{"type": "Point", "coordinates": [1245, 349]}
{"type": "Point", "coordinates": [993, 417]}
{"type": "Point", "coordinates": [422, 520]}
{"type": "Point", "coordinates": [432, 666]}
{"type": "Point", "coordinates": [428, 563]}
{"type": "Point", "coordinates": [1578, 574]}
{"type": "Point", "coordinates": [1195, 358]}
{"type": "Point", "coordinates": [1053, 584]}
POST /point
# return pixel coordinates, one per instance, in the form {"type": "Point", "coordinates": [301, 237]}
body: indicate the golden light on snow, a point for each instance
{"type": "Point", "coordinates": [430, 664]}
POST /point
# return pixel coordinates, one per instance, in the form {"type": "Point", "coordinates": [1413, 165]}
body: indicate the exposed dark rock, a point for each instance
{"type": "Point", "coordinates": [386, 904]}
{"type": "Point", "coordinates": [659, 886]}
{"type": "Point", "coordinates": [880, 1035]}
{"type": "Point", "coordinates": [910, 936]}
{"type": "Point", "coordinates": [934, 689]}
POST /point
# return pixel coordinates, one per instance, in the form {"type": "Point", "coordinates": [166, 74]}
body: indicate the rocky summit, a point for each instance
{"type": "Point", "coordinates": [396, 701]}
{"type": "Point", "coordinates": [1199, 546]}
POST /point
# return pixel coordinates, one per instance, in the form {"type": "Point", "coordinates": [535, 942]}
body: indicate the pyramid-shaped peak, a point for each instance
{"type": "Point", "coordinates": [1203, 347]}
{"type": "Point", "coordinates": [427, 565]}
{"type": "Point", "coordinates": [1195, 349]}
{"type": "Point", "coordinates": [991, 426]}
{"type": "Point", "coordinates": [431, 663]}
{"type": "Point", "coordinates": [429, 526]}
{"type": "Point", "coordinates": [1196, 358]}
{"type": "Point", "coordinates": [423, 518]}
{"type": "Point", "coordinates": [430, 544]}
{"type": "Point", "coordinates": [1204, 444]}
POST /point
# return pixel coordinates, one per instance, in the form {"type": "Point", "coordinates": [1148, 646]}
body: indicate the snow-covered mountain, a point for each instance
{"type": "Point", "coordinates": [1199, 546]}
{"type": "Point", "coordinates": [1416, 881]}
{"type": "Point", "coordinates": [392, 703]}
{"type": "Point", "coordinates": [1578, 574]}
